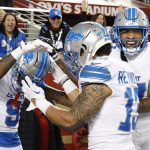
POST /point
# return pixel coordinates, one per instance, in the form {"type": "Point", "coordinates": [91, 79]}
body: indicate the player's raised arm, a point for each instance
{"type": "Point", "coordinates": [55, 56]}
{"type": "Point", "coordinates": [36, 45]}
{"type": "Point", "coordinates": [88, 102]}
{"type": "Point", "coordinates": [63, 67]}
{"type": "Point", "coordinates": [63, 79]}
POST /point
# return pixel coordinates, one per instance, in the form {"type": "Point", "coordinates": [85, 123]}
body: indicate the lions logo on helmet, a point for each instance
{"type": "Point", "coordinates": [34, 65]}
{"type": "Point", "coordinates": [81, 44]}
{"type": "Point", "coordinates": [131, 18]}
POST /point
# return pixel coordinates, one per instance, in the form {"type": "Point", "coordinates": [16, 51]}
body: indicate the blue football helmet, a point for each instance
{"type": "Point", "coordinates": [81, 44]}
{"type": "Point", "coordinates": [131, 18]}
{"type": "Point", "coordinates": [32, 64]}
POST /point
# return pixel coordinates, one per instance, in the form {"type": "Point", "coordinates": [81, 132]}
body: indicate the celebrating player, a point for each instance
{"type": "Point", "coordinates": [131, 29]}
{"type": "Point", "coordinates": [11, 72]}
{"type": "Point", "coordinates": [108, 98]}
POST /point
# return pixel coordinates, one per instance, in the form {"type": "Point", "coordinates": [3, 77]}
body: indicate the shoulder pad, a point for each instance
{"type": "Point", "coordinates": [95, 73]}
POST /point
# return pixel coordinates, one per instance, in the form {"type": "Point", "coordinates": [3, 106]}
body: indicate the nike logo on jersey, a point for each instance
{"type": "Point", "coordinates": [37, 92]}
{"type": "Point", "coordinates": [95, 63]}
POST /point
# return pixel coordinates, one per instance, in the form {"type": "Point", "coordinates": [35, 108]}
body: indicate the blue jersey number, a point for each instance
{"type": "Point", "coordinates": [129, 123]}
{"type": "Point", "coordinates": [13, 113]}
{"type": "Point", "coordinates": [142, 89]}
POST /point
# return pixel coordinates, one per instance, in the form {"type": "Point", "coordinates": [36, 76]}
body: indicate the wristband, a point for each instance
{"type": "Point", "coordinates": [69, 86]}
{"type": "Point", "coordinates": [17, 53]}
{"type": "Point", "coordinates": [43, 105]}
{"type": "Point", "coordinates": [64, 80]}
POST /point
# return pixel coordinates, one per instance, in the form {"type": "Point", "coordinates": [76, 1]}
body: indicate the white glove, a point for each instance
{"type": "Point", "coordinates": [36, 45]}
{"type": "Point", "coordinates": [53, 54]}
{"type": "Point", "coordinates": [32, 91]}
{"type": "Point", "coordinates": [42, 46]}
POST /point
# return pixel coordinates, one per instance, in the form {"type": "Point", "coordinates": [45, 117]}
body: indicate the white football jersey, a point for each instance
{"type": "Point", "coordinates": [112, 126]}
{"type": "Point", "coordinates": [141, 65]}
{"type": "Point", "coordinates": [10, 103]}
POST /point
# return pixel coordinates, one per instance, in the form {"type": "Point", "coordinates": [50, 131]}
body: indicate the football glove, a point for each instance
{"type": "Point", "coordinates": [36, 45]}
{"type": "Point", "coordinates": [31, 91]}
{"type": "Point", "coordinates": [54, 53]}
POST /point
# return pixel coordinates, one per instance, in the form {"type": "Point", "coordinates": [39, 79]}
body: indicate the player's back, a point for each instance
{"type": "Point", "coordinates": [116, 120]}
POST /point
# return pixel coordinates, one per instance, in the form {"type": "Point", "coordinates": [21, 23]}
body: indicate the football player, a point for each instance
{"type": "Point", "coordinates": [130, 30]}
{"type": "Point", "coordinates": [11, 73]}
{"type": "Point", "coordinates": [107, 100]}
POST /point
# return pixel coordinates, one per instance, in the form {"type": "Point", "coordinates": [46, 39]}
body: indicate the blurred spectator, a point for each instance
{"type": "Point", "coordinates": [55, 29]}
{"type": "Point", "coordinates": [99, 18]}
{"type": "Point", "coordinates": [10, 35]}
{"type": "Point", "coordinates": [6, 3]}
{"type": "Point", "coordinates": [2, 13]}
{"type": "Point", "coordinates": [84, 5]}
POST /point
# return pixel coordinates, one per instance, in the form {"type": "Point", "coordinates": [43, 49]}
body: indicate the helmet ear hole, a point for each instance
{"type": "Point", "coordinates": [82, 50]}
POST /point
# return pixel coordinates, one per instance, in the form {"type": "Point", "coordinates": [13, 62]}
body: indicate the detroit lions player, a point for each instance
{"type": "Point", "coordinates": [108, 99]}
{"type": "Point", "coordinates": [131, 29]}
{"type": "Point", "coordinates": [10, 88]}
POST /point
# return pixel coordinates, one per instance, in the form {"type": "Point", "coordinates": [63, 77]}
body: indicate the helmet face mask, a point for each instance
{"type": "Point", "coordinates": [73, 65]}
{"type": "Point", "coordinates": [131, 40]}
{"type": "Point", "coordinates": [81, 44]}
{"type": "Point", "coordinates": [134, 19]}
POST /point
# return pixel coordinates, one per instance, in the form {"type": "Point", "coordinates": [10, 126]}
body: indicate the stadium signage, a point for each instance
{"type": "Point", "coordinates": [75, 8]}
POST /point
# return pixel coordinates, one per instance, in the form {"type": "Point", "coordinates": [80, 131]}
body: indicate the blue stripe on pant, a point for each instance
{"type": "Point", "coordinates": [9, 139]}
